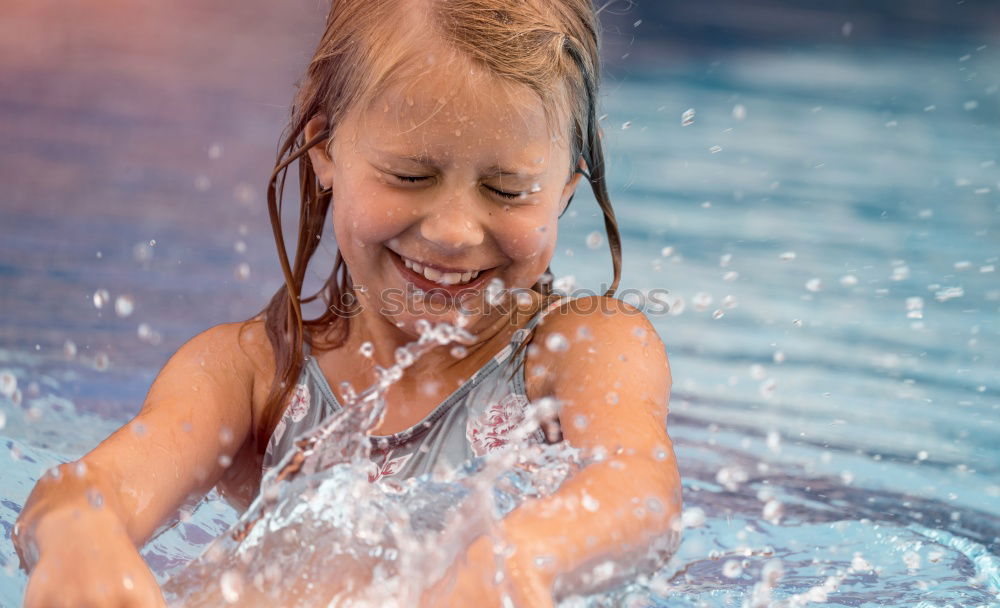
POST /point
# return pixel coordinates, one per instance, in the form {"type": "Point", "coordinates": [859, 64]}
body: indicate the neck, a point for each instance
{"type": "Point", "coordinates": [490, 334]}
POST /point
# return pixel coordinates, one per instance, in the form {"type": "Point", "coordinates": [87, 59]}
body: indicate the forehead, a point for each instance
{"type": "Point", "coordinates": [444, 104]}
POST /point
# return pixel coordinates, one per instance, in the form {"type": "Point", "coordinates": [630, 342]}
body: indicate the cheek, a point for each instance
{"type": "Point", "coordinates": [530, 238]}
{"type": "Point", "coordinates": [367, 215]}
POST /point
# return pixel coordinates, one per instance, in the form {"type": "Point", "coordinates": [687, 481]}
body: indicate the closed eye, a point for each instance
{"type": "Point", "coordinates": [408, 178]}
{"type": "Point", "coordinates": [412, 179]}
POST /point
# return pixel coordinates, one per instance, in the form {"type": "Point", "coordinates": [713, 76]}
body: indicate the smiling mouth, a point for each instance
{"type": "Point", "coordinates": [427, 278]}
{"type": "Point", "coordinates": [438, 276]}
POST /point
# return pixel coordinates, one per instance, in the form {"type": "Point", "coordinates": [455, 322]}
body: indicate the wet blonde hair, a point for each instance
{"type": "Point", "coordinates": [549, 46]}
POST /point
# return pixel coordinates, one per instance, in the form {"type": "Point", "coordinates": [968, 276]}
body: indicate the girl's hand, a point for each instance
{"type": "Point", "coordinates": [471, 581]}
{"type": "Point", "coordinates": [89, 565]}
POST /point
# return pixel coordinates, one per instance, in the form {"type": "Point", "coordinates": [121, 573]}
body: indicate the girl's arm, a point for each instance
{"type": "Point", "coordinates": [197, 411]}
{"type": "Point", "coordinates": [614, 387]}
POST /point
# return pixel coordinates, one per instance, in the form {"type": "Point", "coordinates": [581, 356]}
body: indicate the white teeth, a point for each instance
{"type": "Point", "coordinates": [445, 278]}
{"type": "Point", "coordinates": [431, 274]}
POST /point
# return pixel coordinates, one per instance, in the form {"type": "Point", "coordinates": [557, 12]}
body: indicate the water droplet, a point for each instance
{"type": "Point", "coordinates": [3, 419]}
{"type": "Point", "coordinates": [701, 300]}
{"type": "Point", "coordinates": [594, 240]}
{"type": "Point", "coordinates": [8, 384]}
{"type": "Point", "coordinates": [626, 125]}
{"type": "Point", "coordinates": [556, 342]}
{"type": "Point", "coordinates": [95, 498]}
{"type": "Point", "coordinates": [778, 356]}
{"type": "Point", "coordinates": [739, 111]}
{"type": "Point", "coordinates": [611, 398]}
{"type": "Point", "coordinates": [495, 291]}
{"type": "Point", "coordinates": [715, 149]}
{"type": "Point", "coordinates": [767, 388]}
{"type": "Point", "coordinates": [732, 569]}
{"type": "Point", "coordinates": [589, 503]}
{"type": "Point", "coordinates": [718, 314]}
{"type": "Point", "coordinates": [948, 293]}
{"type": "Point", "coordinates": [348, 392]}
{"type": "Point", "coordinates": [687, 118]}
{"type": "Point", "coordinates": [814, 285]}
{"type": "Point", "coordinates": [243, 271]}
{"type": "Point", "coordinates": [101, 362]}
{"type": "Point", "coordinates": [846, 29]}
{"type": "Point", "coordinates": [773, 441]}
{"type": "Point", "coordinates": [127, 582]}
{"type": "Point", "coordinates": [458, 351]}
{"type": "Point", "coordinates": [677, 306]}
{"type": "Point", "coordinates": [80, 468]}
{"type": "Point", "coordinates": [922, 455]}
{"type": "Point", "coordinates": [231, 584]}
{"type": "Point", "coordinates": [215, 151]}
{"type": "Point", "coordinates": [101, 297]}
{"type": "Point", "coordinates": [404, 357]}
{"type": "Point", "coordinates": [667, 251]}
{"type": "Point", "coordinates": [142, 252]}
{"type": "Point", "coordinates": [244, 194]}
{"type": "Point", "coordinates": [787, 256]}
{"type": "Point", "coordinates": [367, 350]}
{"type": "Point", "coordinates": [848, 280]}
{"type": "Point", "coordinates": [773, 511]}
{"type": "Point", "coordinates": [860, 564]}
{"type": "Point", "coordinates": [240, 246]}
{"type": "Point", "coordinates": [202, 183]}
{"type": "Point", "coordinates": [693, 517]}
{"type": "Point", "coordinates": [731, 477]}
{"type": "Point", "coordinates": [124, 305]}
{"type": "Point", "coordinates": [69, 349]}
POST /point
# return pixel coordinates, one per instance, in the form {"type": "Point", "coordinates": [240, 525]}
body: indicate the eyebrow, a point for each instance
{"type": "Point", "coordinates": [494, 171]}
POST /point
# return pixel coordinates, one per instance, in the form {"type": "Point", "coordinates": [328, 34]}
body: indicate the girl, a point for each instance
{"type": "Point", "coordinates": [447, 137]}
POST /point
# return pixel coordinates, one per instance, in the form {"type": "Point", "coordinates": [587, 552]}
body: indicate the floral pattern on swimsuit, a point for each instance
{"type": "Point", "coordinates": [490, 431]}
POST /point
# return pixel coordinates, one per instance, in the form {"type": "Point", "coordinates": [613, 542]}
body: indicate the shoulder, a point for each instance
{"type": "Point", "coordinates": [242, 346]}
{"type": "Point", "coordinates": [594, 328]}
{"type": "Point", "coordinates": [238, 354]}
{"type": "Point", "coordinates": [601, 358]}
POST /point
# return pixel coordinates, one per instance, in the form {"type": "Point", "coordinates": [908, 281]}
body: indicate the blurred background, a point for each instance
{"type": "Point", "coordinates": [814, 183]}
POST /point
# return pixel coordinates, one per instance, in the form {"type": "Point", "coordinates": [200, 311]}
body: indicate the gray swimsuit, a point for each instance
{"type": "Point", "coordinates": [474, 420]}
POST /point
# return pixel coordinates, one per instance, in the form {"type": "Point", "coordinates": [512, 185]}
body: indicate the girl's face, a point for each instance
{"type": "Point", "coordinates": [457, 172]}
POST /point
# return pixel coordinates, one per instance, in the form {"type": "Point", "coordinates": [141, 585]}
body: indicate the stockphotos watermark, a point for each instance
{"type": "Point", "coordinates": [473, 302]}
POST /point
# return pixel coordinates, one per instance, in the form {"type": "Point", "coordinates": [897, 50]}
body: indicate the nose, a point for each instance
{"type": "Point", "coordinates": [453, 224]}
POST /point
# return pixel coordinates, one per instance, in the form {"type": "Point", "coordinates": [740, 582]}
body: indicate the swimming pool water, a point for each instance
{"type": "Point", "coordinates": [829, 223]}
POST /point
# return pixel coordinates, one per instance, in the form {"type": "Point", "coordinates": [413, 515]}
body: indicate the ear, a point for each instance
{"type": "Point", "coordinates": [318, 155]}
{"type": "Point", "coordinates": [570, 188]}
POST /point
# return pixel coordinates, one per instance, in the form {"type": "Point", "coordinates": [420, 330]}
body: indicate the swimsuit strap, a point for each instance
{"type": "Point", "coordinates": [522, 333]}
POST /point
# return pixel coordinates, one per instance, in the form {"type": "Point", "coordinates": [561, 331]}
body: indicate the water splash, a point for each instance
{"type": "Point", "coordinates": [331, 537]}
